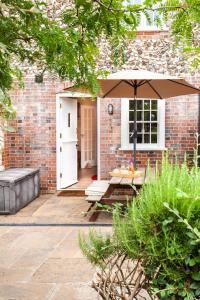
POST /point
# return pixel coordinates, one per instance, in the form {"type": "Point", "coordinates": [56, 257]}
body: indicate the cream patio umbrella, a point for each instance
{"type": "Point", "coordinates": [140, 84]}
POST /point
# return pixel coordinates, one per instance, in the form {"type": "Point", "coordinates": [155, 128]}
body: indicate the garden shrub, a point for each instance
{"type": "Point", "coordinates": [162, 228]}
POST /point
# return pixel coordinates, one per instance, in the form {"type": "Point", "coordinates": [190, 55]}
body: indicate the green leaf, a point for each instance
{"type": "Point", "coordinates": [196, 276]}
{"type": "Point", "coordinates": [195, 285]}
{"type": "Point", "coordinates": [192, 262]}
{"type": "Point", "coordinates": [197, 292]}
{"type": "Point", "coordinates": [167, 221]}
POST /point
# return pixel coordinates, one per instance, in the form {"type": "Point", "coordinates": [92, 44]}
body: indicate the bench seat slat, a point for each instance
{"type": "Point", "coordinates": [117, 198]}
{"type": "Point", "coordinates": [115, 180]}
{"type": "Point", "coordinates": [126, 181]}
{"type": "Point", "coordinates": [94, 198]}
{"type": "Point", "coordinates": [97, 188]}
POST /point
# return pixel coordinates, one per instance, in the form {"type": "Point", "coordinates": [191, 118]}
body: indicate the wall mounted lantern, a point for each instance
{"type": "Point", "coordinates": [110, 109]}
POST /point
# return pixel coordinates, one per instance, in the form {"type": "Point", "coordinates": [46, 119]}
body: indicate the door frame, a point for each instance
{"type": "Point", "coordinates": [59, 98]}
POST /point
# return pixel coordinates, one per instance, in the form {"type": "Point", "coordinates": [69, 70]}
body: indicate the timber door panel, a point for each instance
{"type": "Point", "coordinates": [88, 136]}
{"type": "Point", "coordinates": [68, 142]}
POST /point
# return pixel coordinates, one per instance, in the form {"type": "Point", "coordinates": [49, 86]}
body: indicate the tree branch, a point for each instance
{"type": "Point", "coordinates": [143, 8]}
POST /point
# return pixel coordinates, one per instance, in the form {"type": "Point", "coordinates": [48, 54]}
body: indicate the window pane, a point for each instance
{"type": "Point", "coordinates": [146, 116]}
{"type": "Point", "coordinates": [154, 127]}
{"type": "Point", "coordinates": [139, 127]}
{"type": "Point", "coordinates": [131, 115]}
{"type": "Point", "coordinates": [139, 139]}
{"type": "Point", "coordinates": [154, 138]}
{"type": "Point", "coordinates": [147, 127]}
{"type": "Point", "coordinates": [139, 115]}
{"type": "Point", "coordinates": [154, 104]}
{"type": "Point", "coordinates": [130, 139]}
{"type": "Point", "coordinates": [139, 105]}
{"type": "Point", "coordinates": [131, 104]}
{"type": "Point", "coordinates": [154, 116]}
{"type": "Point", "coordinates": [146, 138]}
{"type": "Point", "coordinates": [131, 126]}
{"type": "Point", "coordinates": [146, 104]}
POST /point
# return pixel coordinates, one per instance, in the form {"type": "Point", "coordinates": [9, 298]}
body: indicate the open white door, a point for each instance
{"type": "Point", "coordinates": [88, 136]}
{"type": "Point", "coordinates": [68, 141]}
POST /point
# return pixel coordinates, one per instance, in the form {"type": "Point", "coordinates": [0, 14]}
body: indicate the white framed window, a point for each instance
{"type": "Point", "coordinates": [150, 124]}
{"type": "Point", "coordinates": [145, 25]}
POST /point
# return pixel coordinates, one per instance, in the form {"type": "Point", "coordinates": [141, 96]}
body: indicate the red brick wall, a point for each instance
{"type": "Point", "coordinates": [181, 124]}
{"type": "Point", "coordinates": [34, 142]}
{"type": "Point", "coordinates": [149, 34]}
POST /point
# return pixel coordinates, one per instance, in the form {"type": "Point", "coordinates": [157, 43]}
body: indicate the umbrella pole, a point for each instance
{"type": "Point", "coordinates": [135, 127]}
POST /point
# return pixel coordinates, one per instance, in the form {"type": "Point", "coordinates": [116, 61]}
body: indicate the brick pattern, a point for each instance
{"type": "Point", "coordinates": [34, 142]}
{"type": "Point", "coordinates": [181, 126]}
{"type": "Point", "coordinates": [156, 34]}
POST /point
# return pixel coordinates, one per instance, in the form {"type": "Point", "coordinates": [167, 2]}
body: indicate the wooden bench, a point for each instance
{"type": "Point", "coordinates": [101, 191]}
{"type": "Point", "coordinates": [94, 193]}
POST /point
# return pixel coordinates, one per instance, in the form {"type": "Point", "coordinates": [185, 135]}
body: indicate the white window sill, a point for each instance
{"type": "Point", "coordinates": [143, 148]}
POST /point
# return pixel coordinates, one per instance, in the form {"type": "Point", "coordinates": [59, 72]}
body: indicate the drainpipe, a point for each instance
{"type": "Point", "coordinates": [198, 138]}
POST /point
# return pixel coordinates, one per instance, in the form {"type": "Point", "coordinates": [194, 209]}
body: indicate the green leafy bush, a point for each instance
{"type": "Point", "coordinates": [162, 227]}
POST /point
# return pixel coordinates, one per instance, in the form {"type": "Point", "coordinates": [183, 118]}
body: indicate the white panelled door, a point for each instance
{"type": "Point", "coordinates": [88, 136]}
{"type": "Point", "coordinates": [68, 142]}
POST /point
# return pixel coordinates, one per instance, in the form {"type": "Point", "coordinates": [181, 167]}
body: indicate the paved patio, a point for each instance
{"type": "Point", "coordinates": [44, 263]}
{"type": "Point", "coordinates": [52, 209]}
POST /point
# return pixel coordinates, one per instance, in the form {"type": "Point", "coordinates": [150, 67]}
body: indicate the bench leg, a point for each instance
{"type": "Point", "coordinates": [92, 210]}
{"type": "Point", "coordinates": [89, 209]}
{"type": "Point", "coordinates": [94, 216]}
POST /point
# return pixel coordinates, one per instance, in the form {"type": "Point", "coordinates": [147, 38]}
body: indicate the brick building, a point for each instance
{"type": "Point", "coordinates": [45, 112]}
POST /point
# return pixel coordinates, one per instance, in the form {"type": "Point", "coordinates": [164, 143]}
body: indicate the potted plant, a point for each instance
{"type": "Point", "coordinates": [154, 250]}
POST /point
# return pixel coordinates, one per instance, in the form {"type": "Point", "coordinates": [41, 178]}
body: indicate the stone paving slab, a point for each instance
{"type": "Point", "coordinates": [8, 275]}
{"type": "Point", "coordinates": [53, 209]}
{"type": "Point", "coordinates": [64, 270]}
{"type": "Point", "coordinates": [26, 291]}
{"type": "Point", "coordinates": [75, 292]}
{"type": "Point", "coordinates": [32, 258]}
{"type": "Point", "coordinates": [44, 263]}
